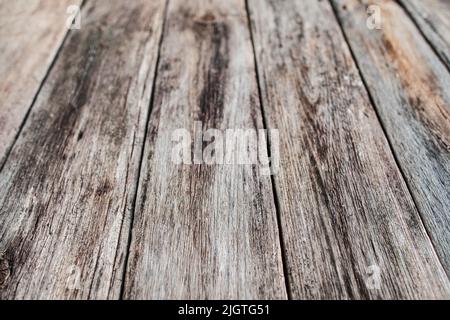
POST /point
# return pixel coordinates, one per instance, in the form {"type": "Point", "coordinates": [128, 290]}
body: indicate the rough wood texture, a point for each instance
{"type": "Point", "coordinates": [31, 31]}
{"type": "Point", "coordinates": [344, 206]}
{"type": "Point", "coordinates": [67, 187]}
{"type": "Point", "coordinates": [92, 204]}
{"type": "Point", "coordinates": [410, 88]}
{"type": "Point", "coordinates": [204, 231]}
{"type": "Point", "coordinates": [433, 18]}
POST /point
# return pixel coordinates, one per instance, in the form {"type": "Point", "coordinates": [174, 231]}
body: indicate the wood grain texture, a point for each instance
{"type": "Point", "coordinates": [67, 187]}
{"type": "Point", "coordinates": [204, 231]}
{"type": "Point", "coordinates": [343, 203]}
{"type": "Point", "coordinates": [433, 18]}
{"type": "Point", "coordinates": [410, 88]}
{"type": "Point", "coordinates": [31, 31]}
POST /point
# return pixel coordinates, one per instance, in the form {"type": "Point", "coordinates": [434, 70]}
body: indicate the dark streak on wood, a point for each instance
{"type": "Point", "coordinates": [31, 34]}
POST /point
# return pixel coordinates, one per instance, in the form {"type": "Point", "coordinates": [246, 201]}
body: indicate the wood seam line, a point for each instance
{"type": "Point", "coordinates": [33, 101]}
{"type": "Point", "coordinates": [274, 190]}
{"type": "Point", "coordinates": [411, 17]}
{"type": "Point", "coordinates": [147, 121]}
{"type": "Point", "coordinates": [372, 102]}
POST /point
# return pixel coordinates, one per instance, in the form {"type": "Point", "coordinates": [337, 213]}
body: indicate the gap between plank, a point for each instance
{"type": "Point", "coordinates": [38, 91]}
{"type": "Point", "coordinates": [152, 97]}
{"type": "Point", "coordinates": [372, 102]}
{"type": "Point", "coordinates": [430, 44]}
{"type": "Point", "coordinates": [274, 190]}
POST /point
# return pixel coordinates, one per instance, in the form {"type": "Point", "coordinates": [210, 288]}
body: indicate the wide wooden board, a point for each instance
{"type": "Point", "coordinates": [410, 88]}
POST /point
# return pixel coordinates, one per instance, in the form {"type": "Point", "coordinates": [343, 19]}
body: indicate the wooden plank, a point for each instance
{"type": "Point", "coordinates": [349, 224]}
{"type": "Point", "coordinates": [409, 85]}
{"type": "Point", "coordinates": [433, 18]}
{"type": "Point", "coordinates": [204, 231]}
{"type": "Point", "coordinates": [67, 188]}
{"type": "Point", "coordinates": [31, 32]}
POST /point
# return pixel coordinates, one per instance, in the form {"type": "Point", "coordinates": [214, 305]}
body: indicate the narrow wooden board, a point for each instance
{"type": "Point", "coordinates": [67, 188]}
{"type": "Point", "coordinates": [31, 32]}
{"type": "Point", "coordinates": [347, 217]}
{"type": "Point", "coordinates": [433, 18]}
{"type": "Point", "coordinates": [204, 231]}
{"type": "Point", "coordinates": [410, 88]}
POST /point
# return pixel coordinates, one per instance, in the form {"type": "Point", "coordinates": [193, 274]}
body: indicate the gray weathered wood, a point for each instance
{"type": "Point", "coordinates": [345, 209]}
{"type": "Point", "coordinates": [433, 18]}
{"type": "Point", "coordinates": [204, 231]}
{"type": "Point", "coordinates": [31, 31]}
{"type": "Point", "coordinates": [67, 188]}
{"type": "Point", "coordinates": [410, 88]}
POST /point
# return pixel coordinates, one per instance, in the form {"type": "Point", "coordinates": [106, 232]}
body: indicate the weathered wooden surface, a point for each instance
{"type": "Point", "coordinates": [92, 204]}
{"type": "Point", "coordinates": [204, 231]}
{"type": "Point", "coordinates": [410, 88]}
{"type": "Point", "coordinates": [433, 18]}
{"type": "Point", "coordinates": [31, 31]}
{"type": "Point", "coordinates": [66, 189]}
{"type": "Point", "coordinates": [345, 209]}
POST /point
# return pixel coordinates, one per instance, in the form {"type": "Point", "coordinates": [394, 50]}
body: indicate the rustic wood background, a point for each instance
{"type": "Point", "coordinates": [92, 207]}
